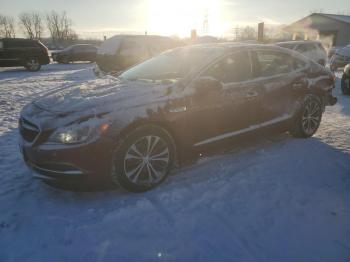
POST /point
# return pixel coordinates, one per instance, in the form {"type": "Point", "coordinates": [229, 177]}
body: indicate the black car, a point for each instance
{"type": "Point", "coordinates": [345, 81]}
{"type": "Point", "coordinates": [23, 52]}
{"type": "Point", "coordinates": [131, 129]}
{"type": "Point", "coordinates": [82, 52]}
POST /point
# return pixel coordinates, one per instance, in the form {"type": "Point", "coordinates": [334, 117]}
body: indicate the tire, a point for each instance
{"type": "Point", "coordinates": [345, 84]}
{"type": "Point", "coordinates": [308, 119]}
{"type": "Point", "coordinates": [134, 169]}
{"type": "Point", "coordinates": [32, 65]}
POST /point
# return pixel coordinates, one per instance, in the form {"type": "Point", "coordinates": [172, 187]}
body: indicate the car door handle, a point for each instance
{"type": "Point", "coordinates": [251, 95]}
{"type": "Point", "coordinates": [297, 85]}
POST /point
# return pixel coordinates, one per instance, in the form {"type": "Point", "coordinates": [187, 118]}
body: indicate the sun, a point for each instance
{"type": "Point", "coordinates": [179, 17]}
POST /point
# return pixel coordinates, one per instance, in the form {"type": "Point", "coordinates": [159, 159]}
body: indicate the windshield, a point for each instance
{"type": "Point", "coordinates": [171, 65]}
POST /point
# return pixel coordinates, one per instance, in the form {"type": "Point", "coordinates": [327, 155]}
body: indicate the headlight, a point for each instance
{"type": "Point", "coordinates": [78, 133]}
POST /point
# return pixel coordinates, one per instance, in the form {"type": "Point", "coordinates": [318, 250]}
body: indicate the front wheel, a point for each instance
{"type": "Point", "coordinates": [144, 159]}
{"type": "Point", "coordinates": [308, 119]}
{"type": "Point", "coordinates": [32, 65]}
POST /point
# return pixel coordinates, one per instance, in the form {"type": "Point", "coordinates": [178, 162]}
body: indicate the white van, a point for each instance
{"type": "Point", "coordinates": [122, 51]}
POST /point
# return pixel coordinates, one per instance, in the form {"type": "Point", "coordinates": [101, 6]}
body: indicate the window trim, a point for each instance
{"type": "Point", "coordinates": [282, 74]}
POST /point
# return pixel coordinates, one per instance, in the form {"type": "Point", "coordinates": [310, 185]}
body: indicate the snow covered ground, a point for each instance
{"type": "Point", "coordinates": [280, 199]}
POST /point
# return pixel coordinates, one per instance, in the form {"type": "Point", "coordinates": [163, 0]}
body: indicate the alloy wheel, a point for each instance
{"type": "Point", "coordinates": [147, 160]}
{"type": "Point", "coordinates": [311, 117]}
{"type": "Point", "coordinates": [33, 64]}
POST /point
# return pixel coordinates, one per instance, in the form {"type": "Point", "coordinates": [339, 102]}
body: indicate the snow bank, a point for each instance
{"type": "Point", "coordinates": [274, 199]}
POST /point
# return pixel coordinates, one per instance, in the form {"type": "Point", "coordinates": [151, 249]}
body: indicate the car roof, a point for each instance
{"type": "Point", "coordinates": [228, 47]}
{"type": "Point", "coordinates": [235, 45]}
{"type": "Point", "coordinates": [298, 42]}
{"type": "Point", "coordinates": [18, 39]}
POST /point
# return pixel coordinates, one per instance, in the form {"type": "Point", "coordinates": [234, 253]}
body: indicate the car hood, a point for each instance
{"type": "Point", "coordinates": [104, 94]}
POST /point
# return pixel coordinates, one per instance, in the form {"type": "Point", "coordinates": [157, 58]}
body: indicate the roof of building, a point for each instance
{"type": "Point", "coordinates": [310, 21]}
{"type": "Point", "coordinates": [342, 18]}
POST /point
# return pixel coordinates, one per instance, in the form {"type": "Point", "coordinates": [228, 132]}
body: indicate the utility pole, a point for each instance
{"type": "Point", "coordinates": [236, 32]}
{"type": "Point", "coordinates": [206, 23]}
{"type": "Point", "coordinates": [261, 32]}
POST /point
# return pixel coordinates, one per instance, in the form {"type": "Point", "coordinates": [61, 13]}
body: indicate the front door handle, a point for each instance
{"type": "Point", "coordinates": [251, 95]}
{"type": "Point", "coordinates": [297, 85]}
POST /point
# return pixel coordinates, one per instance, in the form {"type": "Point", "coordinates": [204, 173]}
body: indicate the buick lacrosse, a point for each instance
{"type": "Point", "coordinates": [131, 129]}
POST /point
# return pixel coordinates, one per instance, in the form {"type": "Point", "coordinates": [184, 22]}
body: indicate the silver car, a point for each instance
{"type": "Point", "coordinates": [341, 58]}
{"type": "Point", "coordinates": [313, 50]}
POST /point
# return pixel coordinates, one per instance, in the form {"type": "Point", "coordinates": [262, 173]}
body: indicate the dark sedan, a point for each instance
{"type": "Point", "coordinates": [132, 129]}
{"type": "Point", "coordinates": [74, 53]}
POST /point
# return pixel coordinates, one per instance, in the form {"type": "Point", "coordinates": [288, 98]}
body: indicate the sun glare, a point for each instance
{"type": "Point", "coordinates": [169, 17]}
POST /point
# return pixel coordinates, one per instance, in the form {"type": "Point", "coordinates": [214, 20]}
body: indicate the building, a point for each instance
{"type": "Point", "coordinates": [332, 30]}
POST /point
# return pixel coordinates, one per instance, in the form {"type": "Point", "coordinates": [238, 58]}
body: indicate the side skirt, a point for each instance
{"type": "Point", "coordinates": [245, 130]}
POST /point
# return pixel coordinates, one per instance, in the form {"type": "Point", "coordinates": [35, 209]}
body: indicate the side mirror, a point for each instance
{"type": "Point", "coordinates": [207, 85]}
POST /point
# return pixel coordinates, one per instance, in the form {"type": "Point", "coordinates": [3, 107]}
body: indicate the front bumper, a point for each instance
{"type": "Point", "coordinates": [90, 163]}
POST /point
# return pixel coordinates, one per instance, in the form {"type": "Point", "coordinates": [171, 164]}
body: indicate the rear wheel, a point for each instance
{"type": "Point", "coordinates": [144, 159]}
{"type": "Point", "coordinates": [65, 60]}
{"type": "Point", "coordinates": [345, 84]}
{"type": "Point", "coordinates": [32, 65]}
{"type": "Point", "coordinates": [308, 119]}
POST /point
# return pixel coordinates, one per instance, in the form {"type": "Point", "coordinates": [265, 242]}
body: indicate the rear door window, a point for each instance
{"type": "Point", "coordinates": [271, 63]}
{"type": "Point", "coordinates": [233, 68]}
{"type": "Point", "coordinates": [299, 64]}
{"type": "Point", "coordinates": [303, 48]}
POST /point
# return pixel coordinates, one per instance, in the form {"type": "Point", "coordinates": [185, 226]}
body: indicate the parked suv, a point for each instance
{"type": "Point", "coordinates": [122, 51]}
{"type": "Point", "coordinates": [23, 52]}
{"type": "Point", "coordinates": [81, 52]}
{"type": "Point", "coordinates": [131, 129]}
{"type": "Point", "coordinates": [311, 49]}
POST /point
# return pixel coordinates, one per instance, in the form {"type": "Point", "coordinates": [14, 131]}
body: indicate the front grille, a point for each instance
{"type": "Point", "coordinates": [28, 130]}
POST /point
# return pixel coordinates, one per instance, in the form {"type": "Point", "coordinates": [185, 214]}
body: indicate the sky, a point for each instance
{"type": "Point", "coordinates": [173, 17]}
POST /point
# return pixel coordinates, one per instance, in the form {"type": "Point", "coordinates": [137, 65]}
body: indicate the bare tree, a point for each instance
{"type": "Point", "coordinates": [32, 24]}
{"type": "Point", "coordinates": [248, 33]}
{"type": "Point", "coordinates": [60, 27]}
{"type": "Point", "coordinates": [7, 26]}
